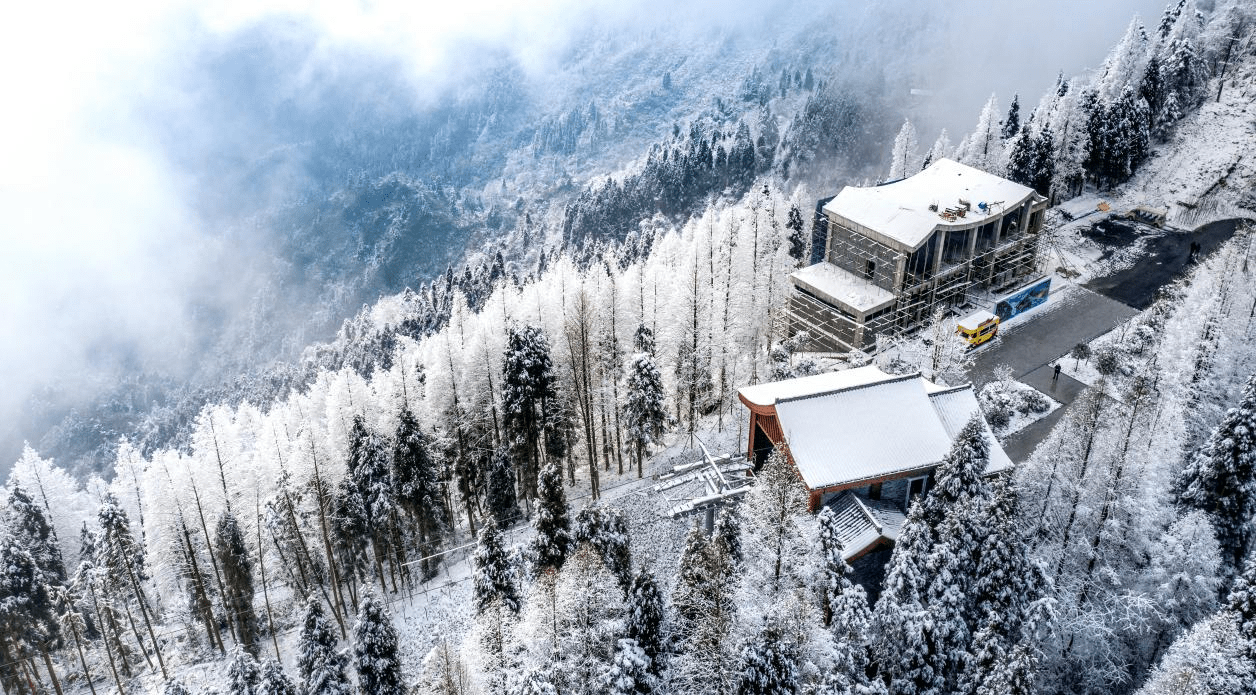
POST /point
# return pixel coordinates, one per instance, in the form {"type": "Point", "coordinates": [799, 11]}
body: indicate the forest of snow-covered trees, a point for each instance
{"type": "Point", "coordinates": [455, 503]}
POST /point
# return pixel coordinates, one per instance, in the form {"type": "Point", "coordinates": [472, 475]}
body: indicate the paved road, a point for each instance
{"type": "Point", "coordinates": [1030, 347]}
{"type": "Point", "coordinates": [1083, 316]}
{"type": "Point", "coordinates": [1079, 317]}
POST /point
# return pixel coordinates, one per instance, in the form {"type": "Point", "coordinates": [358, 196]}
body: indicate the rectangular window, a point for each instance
{"type": "Point", "coordinates": [874, 491]}
{"type": "Point", "coordinates": [870, 270]}
{"type": "Point", "coordinates": [916, 487]}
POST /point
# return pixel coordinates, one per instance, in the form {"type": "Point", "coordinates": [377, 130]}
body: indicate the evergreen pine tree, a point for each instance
{"type": "Point", "coordinates": [958, 505]}
{"type": "Point", "coordinates": [375, 649]}
{"type": "Point", "coordinates": [1094, 120]}
{"type": "Point", "coordinates": [1128, 128]}
{"type": "Point", "coordinates": [321, 666]}
{"type": "Point", "coordinates": [369, 469]}
{"type": "Point", "coordinates": [174, 686]}
{"type": "Point", "coordinates": [645, 410]}
{"type": "Point", "coordinates": [1012, 124]}
{"type": "Point", "coordinates": [631, 673]}
{"type": "Point", "coordinates": [959, 478]}
{"type": "Point", "coordinates": [1005, 581]}
{"type": "Point", "coordinates": [706, 613]}
{"type": "Point", "coordinates": [237, 578]}
{"type": "Point", "coordinates": [727, 535]}
{"type": "Point", "coordinates": [26, 522]}
{"type": "Point", "coordinates": [528, 393]}
{"type": "Point", "coordinates": [243, 675]}
{"type": "Point", "coordinates": [27, 615]}
{"type": "Point", "coordinates": [606, 532]}
{"type": "Point", "coordinates": [1221, 480]}
{"type": "Point", "coordinates": [553, 530]}
{"type": "Point", "coordinates": [1242, 603]}
{"type": "Point", "coordinates": [416, 477]}
{"type": "Point", "coordinates": [1152, 90]}
{"type": "Point", "coordinates": [492, 574]}
{"type": "Point", "coordinates": [844, 607]}
{"type": "Point", "coordinates": [274, 681]}
{"type": "Point", "coordinates": [797, 237]}
{"type": "Point", "coordinates": [349, 528]}
{"type": "Point", "coordinates": [1012, 675]}
{"type": "Point", "coordinates": [500, 490]}
{"type": "Point", "coordinates": [1022, 158]}
{"type": "Point", "coordinates": [769, 665]}
{"type": "Point", "coordinates": [1172, 11]}
{"type": "Point", "coordinates": [643, 339]}
{"type": "Point", "coordinates": [532, 682]}
{"type": "Point", "coordinates": [1044, 160]}
{"type": "Point", "coordinates": [901, 643]}
{"type": "Point", "coordinates": [692, 579]}
{"type": "Point", "coordinates": [644, 621]}
{"type": "Point", "coordinates": [116, 550]}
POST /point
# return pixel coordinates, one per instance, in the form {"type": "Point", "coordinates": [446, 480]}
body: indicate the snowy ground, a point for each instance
{"type": "Point", "coordinates": [1205, 172]}
{"type": "Point", "coordinates": [1085, 370]}
{"type": "Point", "coordinates": [1015, 393]}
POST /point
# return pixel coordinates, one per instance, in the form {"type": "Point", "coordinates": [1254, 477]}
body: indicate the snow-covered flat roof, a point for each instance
{"type": "Point", "coordinates": [900, 210]}
{"type": "Point", "coordinates": [974, 320]}
{"type": "Point", "coordinates": [862, 424]}
{"type": "Point", "coordinates": [838, 286]}
{"type": "Point", "coordinates": [770, 393]}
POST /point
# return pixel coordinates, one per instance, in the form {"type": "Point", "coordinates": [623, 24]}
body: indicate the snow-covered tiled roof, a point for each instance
{"type": "Point", "coordinates": [838, 286]}
{"type": "Point", "coordinates": [863, 432]}
{"type": "Point", "coordinates": [770, 393]}
{"type": "Point", "coordinates": [862, 423]}
{"type": "Point", "coordinates": [955, 408]}
{"type": "Point", "coordinates": [900, 211]}
{"type": "Point", "coordinates": [861, 523]}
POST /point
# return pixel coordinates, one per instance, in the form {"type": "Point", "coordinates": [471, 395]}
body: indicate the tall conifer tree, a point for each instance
{"type": "Point", "coordinates": [375, 650]}
{"type": "Point", "coordinates": [553, 527]}
{"type": "Point", "coordinates": [1221, 480]}
{"type": "Point", "coordinates": [321, 665]}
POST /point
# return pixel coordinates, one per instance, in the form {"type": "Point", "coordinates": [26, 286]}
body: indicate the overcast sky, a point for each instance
{"type": "Point", "coordinates": [100, 240]}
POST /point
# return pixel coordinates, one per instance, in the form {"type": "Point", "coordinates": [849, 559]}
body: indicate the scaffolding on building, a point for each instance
{"type": "Point", "coordinates": [918, 299]}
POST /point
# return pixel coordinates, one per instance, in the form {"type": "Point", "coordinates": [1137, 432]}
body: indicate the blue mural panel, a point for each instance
{"type": "Point", "coordinates": [1023, 300]}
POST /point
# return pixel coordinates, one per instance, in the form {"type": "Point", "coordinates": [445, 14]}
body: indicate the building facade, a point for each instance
{"type": "Point", "coordinates": [896, 252]}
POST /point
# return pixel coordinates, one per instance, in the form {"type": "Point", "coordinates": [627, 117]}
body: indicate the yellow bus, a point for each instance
{"type": "Point", "coordinates": [978, 328]}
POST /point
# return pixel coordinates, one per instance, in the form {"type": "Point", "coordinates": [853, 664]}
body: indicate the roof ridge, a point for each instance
{"type": "Point", "coordinates": [876, 524]}
{"type": "Point", "coordinates": [892, 380]}
{"type": "Point", "coordinates": [952, 389]}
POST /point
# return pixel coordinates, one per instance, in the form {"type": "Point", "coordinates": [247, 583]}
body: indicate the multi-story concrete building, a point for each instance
{"type": "Point", "coordinates": [897, 251]}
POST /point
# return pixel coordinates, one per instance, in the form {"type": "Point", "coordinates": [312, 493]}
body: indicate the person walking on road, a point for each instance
{"type": "Point", "coordinates": [1055, 375]}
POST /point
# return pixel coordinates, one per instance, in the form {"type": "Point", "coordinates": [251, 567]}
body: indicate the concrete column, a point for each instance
{"type": "Point", "coordinates": [972, 243]}
{"type": "Point", "coordinates": [900, 270]}
{"type": "Point", "coordinates": [828, 238]}
{"type": "Point", "coordinates": [938, 244]}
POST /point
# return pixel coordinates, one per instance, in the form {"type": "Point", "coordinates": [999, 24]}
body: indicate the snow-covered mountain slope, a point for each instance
{"type": "Point", "coordinates": [1206, 170]}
